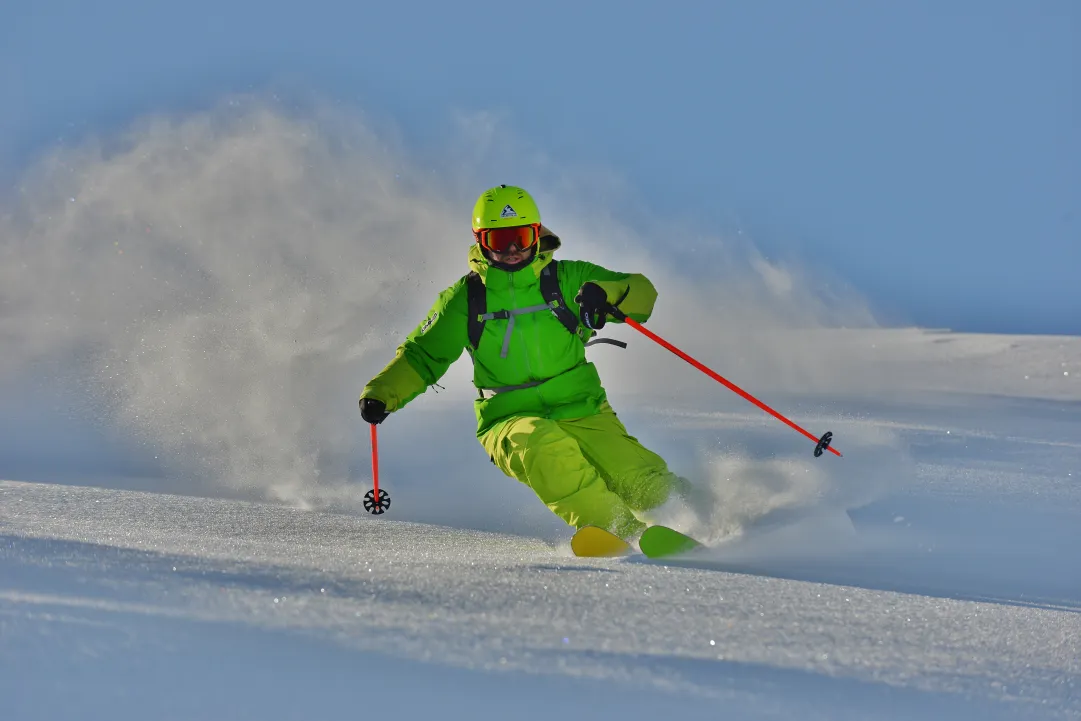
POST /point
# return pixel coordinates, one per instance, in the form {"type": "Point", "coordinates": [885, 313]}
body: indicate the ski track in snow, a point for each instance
{"type": "Point", "coordinates": [957, 595]}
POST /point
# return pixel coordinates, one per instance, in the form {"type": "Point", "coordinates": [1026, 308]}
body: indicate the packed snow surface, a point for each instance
{"type": "Point", "coordinates": [955, 594]}
{"type": "Point", "coordinates": [188, 312]}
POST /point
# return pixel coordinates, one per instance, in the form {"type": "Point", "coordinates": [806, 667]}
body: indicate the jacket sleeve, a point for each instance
{"type": "Point", "coordinates": [426, 353]}
{"type": "Point", "coordinates": [632, 293]}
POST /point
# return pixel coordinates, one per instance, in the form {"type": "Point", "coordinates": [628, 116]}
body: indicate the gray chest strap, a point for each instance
{"type": "Point", "coordinates": [509, 316]}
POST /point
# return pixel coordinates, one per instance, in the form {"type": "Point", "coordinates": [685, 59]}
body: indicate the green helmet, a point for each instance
{"type": "Point", "coordinates": [504, 207]}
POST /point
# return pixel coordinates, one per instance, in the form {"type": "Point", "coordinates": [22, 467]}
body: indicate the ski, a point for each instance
{"type": "Point", "coordinates": [661, 541]}
{"type": "Point", "coordinates": [594, 542]}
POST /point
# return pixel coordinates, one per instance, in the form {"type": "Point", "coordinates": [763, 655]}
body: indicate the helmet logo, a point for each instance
{"type": "Point", "coordinates": [508, 212]}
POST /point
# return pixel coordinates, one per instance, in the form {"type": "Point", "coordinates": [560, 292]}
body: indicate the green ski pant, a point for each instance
{"type": "Point", "coordinates": [589, 471]}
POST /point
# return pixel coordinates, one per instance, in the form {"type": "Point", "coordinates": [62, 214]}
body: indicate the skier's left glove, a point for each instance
{"type": "Point", "coordinates": [373, 411]}
{"type": "Point", "coordinates": [593, 306]}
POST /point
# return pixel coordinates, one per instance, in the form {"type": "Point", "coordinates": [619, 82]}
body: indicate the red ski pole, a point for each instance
{"type": "Point", "coordinates": [822, 444]}
{"type": "Point", "coordinates": [375, 500]}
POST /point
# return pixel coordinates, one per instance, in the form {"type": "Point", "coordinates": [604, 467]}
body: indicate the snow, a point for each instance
{"type": "Point", "coordinates": [181, 533]}
{"type": "Point", "coordinates": [954, 595]}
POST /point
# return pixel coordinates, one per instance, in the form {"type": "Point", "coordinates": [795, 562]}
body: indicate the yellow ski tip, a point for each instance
{"type": "Point", "coordinates": [594, 542]}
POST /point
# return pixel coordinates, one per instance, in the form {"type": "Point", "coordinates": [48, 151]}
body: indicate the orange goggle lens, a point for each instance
{"type": "Point", "coordinates": [500, 240]}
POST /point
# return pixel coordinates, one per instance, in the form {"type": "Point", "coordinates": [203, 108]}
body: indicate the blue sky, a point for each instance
{"type": "Point", "coordinates": [928, 152]}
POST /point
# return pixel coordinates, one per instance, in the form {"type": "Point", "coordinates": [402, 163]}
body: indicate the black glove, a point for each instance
{"type": "Point", "coordinates": [372, 410]}
{"type": "Point", "coordinates": [593, 306]}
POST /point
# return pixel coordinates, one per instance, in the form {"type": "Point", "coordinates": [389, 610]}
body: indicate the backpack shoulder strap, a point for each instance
{"type": "Point", "coordinates": [477, 296]}
{"type": "Point", "coordinates": [553, 296]}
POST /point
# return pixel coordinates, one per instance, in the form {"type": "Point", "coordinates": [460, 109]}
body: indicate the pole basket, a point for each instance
{"type": "Point", "coordinates": [376, 504]}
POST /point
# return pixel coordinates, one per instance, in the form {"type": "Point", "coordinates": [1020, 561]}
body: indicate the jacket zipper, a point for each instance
{"type": "Point", "coordinates": [518, 332]}
{"type": "Point", "coordinates": [525, 346]}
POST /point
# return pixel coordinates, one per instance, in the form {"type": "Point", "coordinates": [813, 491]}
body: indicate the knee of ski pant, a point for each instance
{"type": "Point", "coordinates": [572, 489]}
{"type": "Point", "coordinates": [638, 475]}
{"type": "Point", "coordinates": [553, 464]}
{"type": "Point", "coordinates": [505, 442]}
{"type": "Point", "coordinates": [540, 454]}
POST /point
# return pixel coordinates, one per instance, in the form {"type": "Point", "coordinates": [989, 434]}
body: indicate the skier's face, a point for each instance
{"type": "Point", "coordinates": [513, 256]}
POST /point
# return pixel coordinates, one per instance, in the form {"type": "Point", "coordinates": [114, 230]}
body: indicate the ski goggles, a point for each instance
{"type": "Point", "coordinates": [499, 240]}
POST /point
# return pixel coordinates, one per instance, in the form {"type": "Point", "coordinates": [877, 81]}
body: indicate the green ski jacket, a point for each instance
{"type": "Point", "coordinates": [537, 355]}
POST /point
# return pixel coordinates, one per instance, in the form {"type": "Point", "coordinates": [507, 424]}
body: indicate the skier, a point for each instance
{"type": "Point", "coordinates": [542, 414]}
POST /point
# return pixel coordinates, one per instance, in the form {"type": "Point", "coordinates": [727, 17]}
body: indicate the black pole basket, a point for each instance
{"type": "Point", "coordinates": [376, 506]}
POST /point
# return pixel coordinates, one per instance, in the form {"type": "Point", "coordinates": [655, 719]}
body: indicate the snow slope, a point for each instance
{"type": "Point", "coordinates": [956, 594]}
{"type": "Point", "coordinates": [187, 312]}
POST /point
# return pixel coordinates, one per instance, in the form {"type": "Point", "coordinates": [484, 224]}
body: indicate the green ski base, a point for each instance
{"type": "Point", "coordinates": [661, 541]}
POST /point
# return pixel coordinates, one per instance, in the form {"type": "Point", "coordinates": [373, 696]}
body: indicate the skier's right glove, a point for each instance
{"type": "Point", "coordinates": [593, 306]}
{"type": "Point", "coordinates": [372, 410]}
